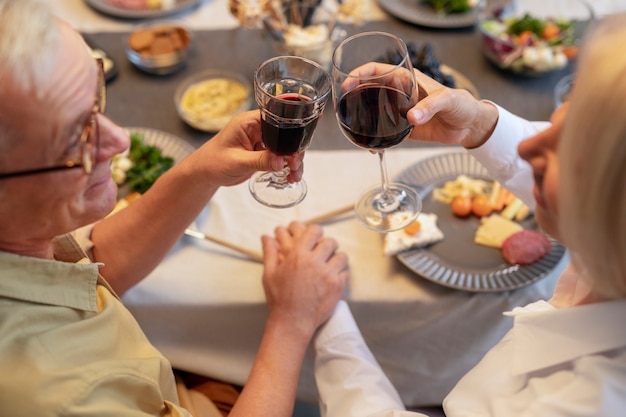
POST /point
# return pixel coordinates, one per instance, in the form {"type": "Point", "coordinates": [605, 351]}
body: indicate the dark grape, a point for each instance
{"type": "Point", "coordinates": [424, 59]}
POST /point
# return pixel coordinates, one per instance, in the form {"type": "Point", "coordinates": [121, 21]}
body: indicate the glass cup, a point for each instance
{"type": "Point", "coordinates": [291, 93]}
{"type": "Point", "coordinates": [371, 105]}
{"type": "Point", "coordinates": [306, 31]}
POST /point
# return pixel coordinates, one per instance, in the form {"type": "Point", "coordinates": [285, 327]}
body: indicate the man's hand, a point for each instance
{"type": "Point", "coordinates": [237, 152]}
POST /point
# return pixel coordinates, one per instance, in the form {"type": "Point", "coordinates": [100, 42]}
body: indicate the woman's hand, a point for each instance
{"type": "Point", "coordinates": [304, 276]}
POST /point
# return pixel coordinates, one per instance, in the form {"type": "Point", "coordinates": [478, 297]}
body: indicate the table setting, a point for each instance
{"type": "Point", "coordinates": [428, 315]}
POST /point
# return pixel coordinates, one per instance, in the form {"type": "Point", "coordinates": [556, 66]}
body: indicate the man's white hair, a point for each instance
{"type": "Point", "coordinates": [28, 48]}
{"type": "Point", "coordinates": [28, 36]}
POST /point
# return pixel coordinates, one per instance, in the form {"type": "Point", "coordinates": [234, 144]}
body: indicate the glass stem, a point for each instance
{"type": "Point", "coordinates": [279, 178]}
{"type": "Point", "coordinates": [386, 198]}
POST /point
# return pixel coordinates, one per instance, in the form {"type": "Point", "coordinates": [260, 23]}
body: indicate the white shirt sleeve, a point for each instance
{"type": "Point", "coordinates": [349, 380]}
{"type": "Point", "coordinates": [499, 154]}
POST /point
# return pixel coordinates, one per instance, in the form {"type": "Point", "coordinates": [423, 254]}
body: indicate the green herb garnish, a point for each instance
{"type": "Point", "coordinates": [148, 164]}
{"type": "Point", "coordinates": [450, 6]}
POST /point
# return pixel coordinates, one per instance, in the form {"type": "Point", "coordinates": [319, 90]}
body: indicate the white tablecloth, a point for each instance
{"type": "Point", "coordinates": [204, 305]}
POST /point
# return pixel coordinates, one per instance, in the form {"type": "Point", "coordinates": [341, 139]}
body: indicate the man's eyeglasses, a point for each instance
{"type": "Point", "coordinates": [88, 136]}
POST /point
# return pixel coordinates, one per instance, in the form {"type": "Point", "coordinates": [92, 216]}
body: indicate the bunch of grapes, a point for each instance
{"type": "Point", "coordinates": [423, 58]}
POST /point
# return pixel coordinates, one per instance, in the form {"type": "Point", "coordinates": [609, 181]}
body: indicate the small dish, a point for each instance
{"type": "Point", "coordinates": [209, 99]}
{"type": "Point", "coordinates": [158, 48]}
{"type": "Point", "coordinates": [110, 68]}
{"type": "Point", "coordinates": [563, 89]}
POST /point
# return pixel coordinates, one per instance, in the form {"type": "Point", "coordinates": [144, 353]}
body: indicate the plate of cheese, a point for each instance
{"type": "Point", "coordinates": [468, 256]}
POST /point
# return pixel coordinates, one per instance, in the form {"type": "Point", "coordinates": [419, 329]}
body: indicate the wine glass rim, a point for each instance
{"type": "Point", "coordinates": [318, 98]}
{"type": "Point", "coordinates": [393, 68]}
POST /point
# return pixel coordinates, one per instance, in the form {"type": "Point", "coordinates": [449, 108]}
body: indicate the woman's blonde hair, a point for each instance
{"type": "Point", "coordinates": [592, 154]}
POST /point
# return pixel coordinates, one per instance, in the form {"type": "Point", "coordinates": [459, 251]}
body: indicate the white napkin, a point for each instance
{"type": "Point", "coordinates": [335, 179]}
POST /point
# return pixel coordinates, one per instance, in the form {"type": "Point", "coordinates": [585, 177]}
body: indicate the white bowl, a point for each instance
{"type": "Point", "coordinates": [209, 99]}
{"type": "Point", "coordinates": [563, 89]}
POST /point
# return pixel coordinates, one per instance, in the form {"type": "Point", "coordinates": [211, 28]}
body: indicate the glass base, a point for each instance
{"type": "Point", "coordinates": [398, 210]}
{"type": "Point", "coordinates": [273, 191]}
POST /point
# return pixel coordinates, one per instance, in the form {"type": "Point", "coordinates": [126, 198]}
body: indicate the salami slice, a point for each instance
{"type": "Point", "coordinates": [130, 4]}
{"type": "Point", "coordinates": [525, 247]}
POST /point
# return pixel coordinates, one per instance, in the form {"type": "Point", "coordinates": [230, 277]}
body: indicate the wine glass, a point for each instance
{"type": "Point", "coordinates": [371, 108]}
{"type": "Point", "coordinates": [291, 93]}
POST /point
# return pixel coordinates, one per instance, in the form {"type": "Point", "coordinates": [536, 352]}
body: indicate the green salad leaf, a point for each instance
{"type": "Point", "coordinates": [528, 23]}
{"type": "Point", "coordinates": [148, 164]}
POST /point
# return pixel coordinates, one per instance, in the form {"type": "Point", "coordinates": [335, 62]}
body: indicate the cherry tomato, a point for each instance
{"type": "Point", "coordinates": [524, 38]}
{"type": "Point", "coordinates": [550, 31]}
{"type": "Point", "coordinates": [481, 206]}
{"type": "Point", "coordinates": [570, 51]}
{"type": "Point", "coordinates": [461, 206]}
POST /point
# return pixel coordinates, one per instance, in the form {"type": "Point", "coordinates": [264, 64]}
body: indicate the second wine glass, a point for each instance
{"type": "Point", "coordinates": [371, 104]}
{"type": "Point", "coordinates": [291, 93]}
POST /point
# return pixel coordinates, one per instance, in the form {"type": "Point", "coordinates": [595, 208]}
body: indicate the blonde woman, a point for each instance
{"type": "Point", "coordinates": [565, 356]}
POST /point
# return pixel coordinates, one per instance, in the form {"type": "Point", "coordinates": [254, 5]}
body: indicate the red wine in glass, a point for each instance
{"type": "Point", "coordinates": [374, 116]}
{"type": "Point", "coordinates": [291, 93]}
{"type": "Point", "coordinates": [285, 137]}
{"type": "Point", "coordinates": [371, 105]}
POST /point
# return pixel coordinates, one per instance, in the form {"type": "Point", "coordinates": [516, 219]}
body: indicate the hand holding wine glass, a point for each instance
{"type": "Point", "coordinates": [371, 104]}
{"type": "Point", "coordinates": [291, 93]}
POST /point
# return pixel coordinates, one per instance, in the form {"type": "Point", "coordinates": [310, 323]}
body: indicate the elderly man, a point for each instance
{"type": "Point", "coordinates": [67, 344]}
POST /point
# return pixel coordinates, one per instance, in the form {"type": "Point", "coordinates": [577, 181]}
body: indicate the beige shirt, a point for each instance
{"type": "Point", "coordinates": [68, 347]}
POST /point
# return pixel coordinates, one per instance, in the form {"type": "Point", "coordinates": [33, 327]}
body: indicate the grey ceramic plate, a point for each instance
{"type": "Point", "coordinates": [103, 6]}
{"type": "Point", "coordinates": [457, 262]}
{"type": "Point", "coordinates": [170, 145]}
{"type": "Point", "coordinates": [414, 11]}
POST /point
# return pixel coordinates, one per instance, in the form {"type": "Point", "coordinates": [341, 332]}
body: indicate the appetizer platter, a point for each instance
{"type": "Point", "coordinates": [470, 253]}
{"type": "Point", "coordinates": [140, 9]}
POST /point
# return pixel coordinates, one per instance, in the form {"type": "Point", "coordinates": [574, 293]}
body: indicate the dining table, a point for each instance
{"type": "Point", "coordinates": [204, 306]}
